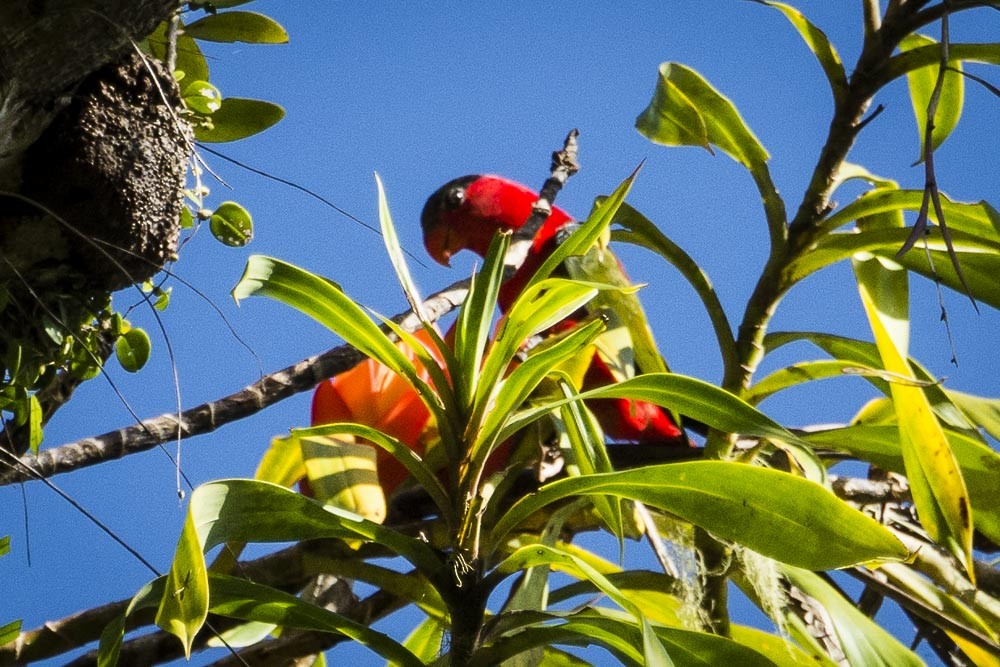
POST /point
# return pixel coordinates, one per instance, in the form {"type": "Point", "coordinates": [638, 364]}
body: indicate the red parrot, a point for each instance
{"type": "Point", "coordinates": [465, 213]}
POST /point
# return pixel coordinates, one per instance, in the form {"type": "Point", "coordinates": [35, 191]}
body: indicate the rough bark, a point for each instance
{"type": "Point", "coordinates": [92, 166]}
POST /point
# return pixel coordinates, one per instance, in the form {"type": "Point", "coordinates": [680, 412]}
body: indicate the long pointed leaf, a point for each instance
{"type": "Point", "coordinates": [939, 491]}
{"type": "Point", "coordinates": [774, 513]}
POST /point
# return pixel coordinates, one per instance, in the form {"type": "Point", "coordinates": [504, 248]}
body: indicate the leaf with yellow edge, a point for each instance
{"type": "Point", "coordinates": [936, 481]}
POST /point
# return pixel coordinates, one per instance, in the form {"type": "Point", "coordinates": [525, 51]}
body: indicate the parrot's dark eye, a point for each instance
{"type": "Point", "coordinates": [455, 198]}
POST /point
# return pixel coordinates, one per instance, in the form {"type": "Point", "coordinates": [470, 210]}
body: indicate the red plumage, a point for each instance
{"type": "Point", "coordinates": [464, 214]}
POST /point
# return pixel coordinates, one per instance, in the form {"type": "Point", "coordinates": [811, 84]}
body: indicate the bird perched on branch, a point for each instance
{"type": "Point", "coordinates": [465, 214]}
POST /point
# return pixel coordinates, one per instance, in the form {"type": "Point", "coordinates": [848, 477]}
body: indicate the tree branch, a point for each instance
{"type": "Point", "coordinates": [207, 417]}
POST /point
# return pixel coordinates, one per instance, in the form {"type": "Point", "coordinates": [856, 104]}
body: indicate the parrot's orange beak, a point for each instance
{"type": "Point", "coordinates": [438, 244]}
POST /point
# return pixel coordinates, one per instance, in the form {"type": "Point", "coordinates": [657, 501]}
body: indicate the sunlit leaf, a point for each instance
{"type": "Point", "coordinates": [779, 650]}
{"type": "Point", "coordinates": [239, 118]}
{"type": "Point", "coordinates": [232, 225]}
{"type": "Point", "coordinates": [109, 647]}
{"type": "Point", "coordinates": [951, 607]}
{"type": "Point", "coordinates": [979, 258]}
{"type": "Point", "coordinates": [669, 119]}
{"type": "Point", "coordinates": [398, 449]}
{"type": "Point", "coordinates": [34, 422]}
{"type": "Point", "coordinates": [238, 26]}
{"type": "Point", "coordinates": [282, 462]}
{"type": "Point", "coordinates": [426, 639]}
{"type": "Point", "coordinates": [9, 632]}
{"type": "Point", "coordinates": [396, 256]}
{"type": "Point", "coordinates": [774, 513]}
{"type": "Point", "coordinates": [184, 606]}
{"type": "Point", "coordinates": [472, 329]}
{"type": "Point", "coordinates": [586, 234]}
{"type": "Point", "coordinates": [922, 82]}
{"type": "Point", "coordinates": [939, 491]}
{"type": "Point", "coordinates": [715, 122]}
{"type": "Point", "coordinates": [201, 96]}
{"type": "Point", "coordinates": [982, 411]}
{"type": "Point", "coordinates": [808, 371]}
{"type": "Point", "coordinates": [344, 474]}
{"type": "Point", "coordinates": [132, 349]}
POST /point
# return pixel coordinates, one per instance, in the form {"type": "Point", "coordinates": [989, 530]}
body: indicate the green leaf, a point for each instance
{"type": "Point", "coordinates": [951, 607]}
{"type": "Point", "coordinates": [979, 258]}
{"type": "Point", "coordinates": [641, 231]}
{"type": "Point", "coordinates": [864, 642]}
{"type": "Point", "coordinates": [807, 371]}
{"type": "Point", "coordinates": [699, 400]}
{"type": "Point", "coordinates": [924, 56]}
{"type": "Point", "coordinates": [34, 422]}
{"type": "Point", "coordinates": [614, 631]}
{"type": "Point", "coordinates": [109, 648]}
{"type": "Point", "coordinates": [396, 256]}
{"type": "Point", "coordinates": [983, 412]}
{"type": "Point", "coordinates": [881, 445]}
{"type": "Point", "coordinates": [472, 329]}
{"type": "Point", "coordinates": [4, 545]}
{"type": "Point", "coordinates": [132, 349]}
{"type": "Point", "coordinates": [512, 391]}
{"type": "Point", "coordinates": [540, 306]}
{"type": "Point", "coordinates": [239, 598]}
{"type": "Point", "coordinates": [668, 119]}
{"type": "Point", "coordinates": [939, 492]}
{"type": "Point", "coordinates": [282, 462]}
{"type": "Point", "coordinates": [584, 236]}
{"type": "Point", "coordinates": [202, 97]}
{"type": "Point", "coordinates": [922, 82]}
{"type": "Point", "coordinates": [539, 554]}
{"type": "Point", "coordinates": [241, 510]}
{"type": "Point", "coordinates": [9, 632]}
{"type": "Point", "coordinates": [325, 302]}
{"type": "Point", "coordinates": [247, 27]}
{"type": "Point", "coordinates": [972, 218]}
{"type": "Point", "coordinates": [190, 62]}
{"type": "Point", "coordinates": [343, 473]}
{"type": "Point", "coordinates": [821, 47]}
{"type": "Point", "coordinates": [865, 354]}
{"type": "Point", "coordinates": [220, 4]}
{"type": "Point", "coordinates": [232, 225]}
{"type": "Point", "coordinates": [779, 650]}
{"type": "Point", "coordinates": [184, 606]}
{"type": "Point", "coordinates": [687, 111]}
{"type": "Point", "coordinates": [238, 118]}
{"type": "Point", "coordinates": [620, 637]}
{"type": "Point", "coordinates": [426, 640]}
{"type": "Point", "coordinates": [774, 513]}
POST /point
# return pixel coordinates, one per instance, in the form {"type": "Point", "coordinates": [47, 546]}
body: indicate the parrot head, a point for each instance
{"type": "Point", "coordinates": [465, 213]}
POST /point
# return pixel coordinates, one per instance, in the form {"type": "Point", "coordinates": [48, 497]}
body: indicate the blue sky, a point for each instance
{"type": "Point", "coordinates": [422, 93]}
